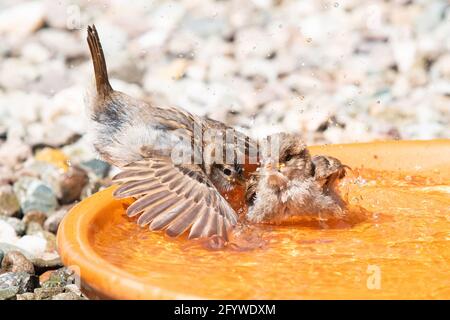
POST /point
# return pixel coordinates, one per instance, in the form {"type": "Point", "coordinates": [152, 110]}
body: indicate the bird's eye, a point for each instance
{"type": "Point", "coordinates": [227, 172]}
{"type": "Point", "coordinates": [288, 157]}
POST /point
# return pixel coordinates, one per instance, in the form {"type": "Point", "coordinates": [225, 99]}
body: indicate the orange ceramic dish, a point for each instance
{"type": "Point", "coordinates": [395, 244]}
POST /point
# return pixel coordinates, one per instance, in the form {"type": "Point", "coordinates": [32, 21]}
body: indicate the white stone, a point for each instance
{"type": "Point", "coordinates": [33, 244]}
{"type": "Point", "coordinates": [7, 233]}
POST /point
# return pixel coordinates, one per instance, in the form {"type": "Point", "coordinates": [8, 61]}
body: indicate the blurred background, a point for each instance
{"type": "Point", "coordinates": [335, 71]}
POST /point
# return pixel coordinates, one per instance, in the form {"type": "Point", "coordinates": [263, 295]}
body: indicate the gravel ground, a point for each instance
{"type": "Point", "coordinates": [337, 72]}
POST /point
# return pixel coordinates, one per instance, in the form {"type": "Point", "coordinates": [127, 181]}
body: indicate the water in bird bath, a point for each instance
{"type": "Point", "coordinates": [394, 244]}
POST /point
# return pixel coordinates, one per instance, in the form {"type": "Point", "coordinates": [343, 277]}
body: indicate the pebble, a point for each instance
{"type": "Point", "coordinates": [15, 261]}
{"type": "Point", "coordinates": [33, 228]}
{"type": "Point", "coordinates": [53, 221]}
{"type": "Point", "coordinates": [67, 296]}
{"type": "Point", "coordinates": [9, 205]}
{"type": "Point", "coordinates": [72, 184]}
{"type": "Point", "coordinates": [26, 296]}
{"type": "Point", "coordinates": [46, 293]}
{"type": "Point", "coordinates": [45, 276]}
{"type": "Point", "coordinates": [12, 283]}
{"type": "Point", "coordinates": [7, 232]}
{"type": "Point", "coordinates": [98, 167]}
{"type": "Point", "coordinates": [32, 243]}
{"type": "Point", "coordinates": [17, 224]}
{"type": "Point", "coordinates": [46, 262]}
{"type": "Point", "coordinates": [50, 174]}
{"type": "Point", "coordinates": [53, 156]}
{"type": "Point", "coordinates": [51, 241]}
{"type": "Point", "coordinates": [73, 288]}
{"type": "Point", "coordinates": [57, 278]}
{"type": "Point", "coordinates": [35, 216]}
{"type": "Point", "coordinates": [8, 247]}
{"type": "Point", "coordinates": [34, 194]}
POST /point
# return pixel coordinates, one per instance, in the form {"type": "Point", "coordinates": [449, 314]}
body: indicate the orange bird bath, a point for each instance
{"type": "Point", "coordinates": [397, 246]}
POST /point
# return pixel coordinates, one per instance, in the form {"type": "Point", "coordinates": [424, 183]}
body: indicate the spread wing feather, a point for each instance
{"type": "Point", "coordinates": [174, 198]}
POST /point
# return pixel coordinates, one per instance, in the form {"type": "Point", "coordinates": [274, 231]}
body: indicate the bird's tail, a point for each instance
{"type": "Point", "coordinates": [98, 59]}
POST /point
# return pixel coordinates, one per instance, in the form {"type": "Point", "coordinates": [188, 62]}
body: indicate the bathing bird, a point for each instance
{"type": "Point", "coordinates": [291, 183]}
{"type": "Point", "coordinates": [176, 164]}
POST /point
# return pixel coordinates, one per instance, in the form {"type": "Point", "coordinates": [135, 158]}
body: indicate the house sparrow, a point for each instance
{"type": "Point", "coordinates": [294, 186]}
{"type": "Point", "coordinates": [142, 140]}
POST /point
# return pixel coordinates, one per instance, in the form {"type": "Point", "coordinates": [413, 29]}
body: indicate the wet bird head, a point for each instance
{"type": "Point", "coordinates": [293, 159]}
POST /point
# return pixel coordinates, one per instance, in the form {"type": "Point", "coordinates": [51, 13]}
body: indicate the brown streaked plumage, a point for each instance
{"type": "Point", "coordinates": [174, 198]}
{"type": "Point", "coordinates": [142, 139]}
{"type": "Point", "coordinates": [328, 170]}
{"type": "Point", "coordinates": [296, 185]}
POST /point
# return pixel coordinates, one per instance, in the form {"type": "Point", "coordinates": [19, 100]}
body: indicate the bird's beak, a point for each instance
{"type": "Point", "coordinates": [280, 166]}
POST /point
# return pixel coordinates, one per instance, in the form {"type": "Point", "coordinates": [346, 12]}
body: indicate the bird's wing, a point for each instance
{"type": "Point", "coordinates": [174, 198]}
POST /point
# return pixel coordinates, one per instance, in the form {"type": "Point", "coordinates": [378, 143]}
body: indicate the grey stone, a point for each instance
{"type": "Point", "coordinates": [26, 296]}
{"type": "Point", "coordinates": [12, 283]}
{"type": "Point", "coordinates": [67, 296]}
{"type": "Point", "coordinates": [73, 288]}
{"type": "Point", "coordinates": [59, 278]}
{"type": "Point", "coordinates": [34, 194]}
{"type": "Point", "coordinates": [48, 173]}
{"type": "Point", "coordinates": [8, 292]}
{"type": "Point", "coordinates": [46, 293]}
{"type": "Point", "coordinates": [98, 167]}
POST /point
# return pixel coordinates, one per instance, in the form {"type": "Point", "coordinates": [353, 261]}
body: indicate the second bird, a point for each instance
{"type": "Point", "coordinates": [292, 184]}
